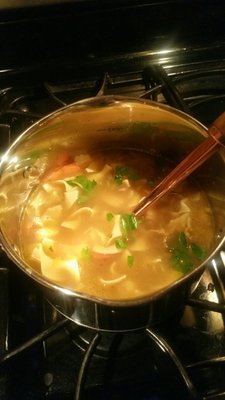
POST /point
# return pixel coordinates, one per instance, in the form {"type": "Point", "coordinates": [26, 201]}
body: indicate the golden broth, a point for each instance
{"type": "Point", "coordinates": [78, 229]}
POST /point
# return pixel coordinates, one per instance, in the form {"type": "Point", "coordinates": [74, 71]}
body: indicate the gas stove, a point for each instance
{"type": "Point", "coordinates": [107, 50]}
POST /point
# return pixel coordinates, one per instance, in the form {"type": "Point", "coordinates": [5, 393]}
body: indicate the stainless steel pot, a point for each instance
{"type": "Point", "coordinates": [99, 123]}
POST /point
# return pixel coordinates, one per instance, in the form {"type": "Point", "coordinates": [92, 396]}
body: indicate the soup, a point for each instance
{"type": "Point", "coordinates": [78, 230]}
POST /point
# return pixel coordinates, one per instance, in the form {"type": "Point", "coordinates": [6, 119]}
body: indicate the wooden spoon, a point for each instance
{"type": "Point", "coordinates": [197, 157]}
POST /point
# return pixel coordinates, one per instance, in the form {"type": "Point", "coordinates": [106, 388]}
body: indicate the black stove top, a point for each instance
{"type": "Point", "coordinates": [175, 55]}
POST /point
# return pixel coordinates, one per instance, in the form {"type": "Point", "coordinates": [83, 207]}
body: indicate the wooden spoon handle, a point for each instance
{"type": "Point", "coordinates": [217, 129]}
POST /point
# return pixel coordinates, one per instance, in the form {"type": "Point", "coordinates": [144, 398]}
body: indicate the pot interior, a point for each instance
{"type": "Point", "coordinates": [98, 124]}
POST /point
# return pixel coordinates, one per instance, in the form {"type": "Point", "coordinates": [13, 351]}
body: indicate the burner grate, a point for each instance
{"type": "Point", "coordinates": [193, 373]}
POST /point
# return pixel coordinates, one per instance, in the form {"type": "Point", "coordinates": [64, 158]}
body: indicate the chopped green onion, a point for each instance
{"type": "Point", "coordinates": [109, 216]}
{"type": "Point", "coordinates": [128, 222]}
{"type": "Point", "coordinates": [85, 184]}
{"type": "Point", "coordinates": [118, 180]}
{"type": "Point", "coordinates": [82, 181]}
{"type": "Point", "coordinates": [130, 260]}
{"type": "Point", "coordinates": [185, 253]}
{"type": "Point", "coordinates": [181, 261]}
{"type": "Point", "coordinates": [120, 243]}
{"type": "Point", "coordinates": [182, 240]}
{"type": "Point", "coordinates": [82, 198]}
{"type": "Point", "coordinates": [85, 254]}
{"type": "Point", "coordinates": [124, 172]}
{"type": "Point", "coordinates": [199, 252]}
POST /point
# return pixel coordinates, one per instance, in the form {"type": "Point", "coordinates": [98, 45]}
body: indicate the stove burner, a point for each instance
{"type": "Point", "coordinates": [46, 356]}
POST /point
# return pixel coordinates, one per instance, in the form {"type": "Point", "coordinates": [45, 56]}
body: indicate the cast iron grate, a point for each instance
{"type": "Point", "coordinates": [193, 92]}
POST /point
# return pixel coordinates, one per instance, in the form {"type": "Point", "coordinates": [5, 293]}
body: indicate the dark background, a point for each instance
{"type": "Point", "coordinates": [82, 32]}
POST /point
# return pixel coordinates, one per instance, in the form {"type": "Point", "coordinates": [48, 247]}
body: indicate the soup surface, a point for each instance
{"type": "Point", "coordinates": [78, 229]}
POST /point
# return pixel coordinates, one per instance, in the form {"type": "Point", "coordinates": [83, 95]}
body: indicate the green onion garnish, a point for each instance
{"type": "Point", "coordinates": [124, 172]}
{"type": "Point", "coordinates": [120, 243]}
{"type": "Point", "coordinates": [128, 222]}
{"type": "Point", "coordinates": [109, 216]}
{"type": "Point", "coordinates": [198, 251]}
{"type": "Point", "coordinates": [185, 253]}
{"type": "Point", "coordinates": [85, 184]}
{"type": "Point", "coordinates": [130, 260]}
{"type": "Point", "coordinates": [85, 254]}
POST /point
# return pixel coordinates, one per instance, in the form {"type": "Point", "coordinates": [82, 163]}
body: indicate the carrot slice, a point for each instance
{"type": "Point", "coordinates": [66, 171]}
{"type": "Point", "coordinates": [63, 158]}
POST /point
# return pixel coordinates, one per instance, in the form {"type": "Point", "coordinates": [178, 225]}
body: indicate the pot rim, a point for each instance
{"type": "Point", "coordinates": [11, 252]}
